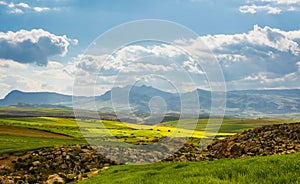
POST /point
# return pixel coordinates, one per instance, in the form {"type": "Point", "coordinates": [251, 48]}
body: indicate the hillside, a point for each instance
{"type": "Point", "coordinates": [268, 170]}
{"type": "Point", "coordinates": [18, 97]}
{"type": "Point", "coordinates": [72, 163]}
{"type": "Point", "coordinates": [267, 140]}
{"type": "Point", "coordinates": [251, 103]}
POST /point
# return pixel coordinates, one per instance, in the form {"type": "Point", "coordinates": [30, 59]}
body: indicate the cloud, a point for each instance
{"type": "Point", "coordinates": [138, 63]}
{"type": "Point", "coordinates": [270, 6]}
{"type": "Point", "coordinates": [281, 1]}
{"type": "Point", "coordinates": [257, 39]}
{"type": "Point", "coordinates": [138, 58]}
{"type": "Point", "coordinates": [262, 57]}
{"type": "Point", "coordinates": [10, 64]}
{"type": "Point", "coordinates": [254, 9]}
{"type": "Point", "coordinates": [16, 11]}
{"type": "Point", "coordinates": [41, 9]}
{"type": "Point", "coordinates": [34, 46]}
{"type": "Point", "coordinates": [33, 78]}
{"type": "Point", "coordinates": [22, 7]}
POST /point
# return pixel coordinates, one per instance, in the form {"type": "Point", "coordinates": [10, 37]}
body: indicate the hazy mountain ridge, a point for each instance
{"type": "Point", "coordinates": [246, 102]}
{"type": "Point", "coordinates": [51, 98]}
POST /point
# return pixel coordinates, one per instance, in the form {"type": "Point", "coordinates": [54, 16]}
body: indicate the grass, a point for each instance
{"type": "Point", "coordinates": [28, 133]}
{"type": "Point", "coordinates": [231, 125]}
{"type": "Point", "coordinates": [18, 131]}
{"type": "Point", "coordinates": [126, 132]}
{"type": "Point", "coordinates": [30, 112]}
{"type": "Point", "coordinates": [66, 126]}
{"type": "Point", "coordinates": [260, 170]}
{"type": "Point", "coordinates": [12, 143]}
{"type": "Point", "coordinates": [93, 128]}
{"type": "Point", "coordinates": [133, 133]}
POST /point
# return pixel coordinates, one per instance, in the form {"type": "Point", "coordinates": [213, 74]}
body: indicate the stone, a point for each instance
{"type": "Point", "coordinates": [63, 166]}
{"type": "Point", "coordinates": [36, 163]}
{"type": "Point", "coordinates": [54, 178]}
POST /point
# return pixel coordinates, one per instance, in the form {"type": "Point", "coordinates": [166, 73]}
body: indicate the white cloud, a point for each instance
{"type": "Point", "coordinates": [270, 6]}
{"type": "Point", "coordinates": [3, 3]}
{"type": "Point", "coordinates": [254, 9]}
{"type": "Point", "coordinates": [138, 62]}
{"type": "Point", "coordinates": [263, 57]}
{"type": "Point", "coordinates": [11, 64]}
{"type": "Point", "coordinates": [34, 46]}
{"type": "Point", "coordinates": [41, 9]}
{"type": "Point", "coordinates": [34, 78]}
{"type": "Point", "coordinates": [257, 39]}
{"type": "Point", "coordinates": [282, 1]}
{"type": "Point", "coordinates": [292, 8]}
{"type": "Point", "coordinates": [22, 7]}
{"type": "Point", "coordinates": [159, 58]}
{"type": "Point", "coordinates": [16, 11]}
{"type": "Point", "coordinates": [11, 5]}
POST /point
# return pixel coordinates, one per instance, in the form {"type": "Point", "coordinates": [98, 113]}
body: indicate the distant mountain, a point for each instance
{"type": "Point", "coordinates": [18, 97]}
{"type": "Point", "coordinates": [239, 103]}
{"type": "Point", "coordinates": [138, 98]}
{"type": "Point", "coordinates": [264, 101]}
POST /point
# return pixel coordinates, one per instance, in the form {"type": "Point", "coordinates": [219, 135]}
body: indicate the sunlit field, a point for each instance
{"type": "Point", "coordinates": [39, 131]}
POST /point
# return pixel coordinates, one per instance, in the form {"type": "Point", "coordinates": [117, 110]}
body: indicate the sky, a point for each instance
{"type": "Point", "coordinates": [43, 43]}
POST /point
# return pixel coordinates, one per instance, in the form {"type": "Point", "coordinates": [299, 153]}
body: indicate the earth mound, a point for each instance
{"type": "Point", "coordinates": [262, 141]}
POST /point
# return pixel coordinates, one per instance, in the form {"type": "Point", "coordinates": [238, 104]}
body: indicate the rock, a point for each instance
{"type": "Point", "coordinates": [78, 147]}
{"type": "Point", "coordinates": [54, 178]}
{"type": "Point", "coordinates": [57, 153]}
{"type": "Point", "coordinates": [50, 156]}
{"type": "Point", "coordinates": [59, 159]}
{"type": "Point", "coordinates": [266, 140]}
{"type": "Point", "coordinates": [79, 177]}
{"type": "Point", "coordinates": [71, 177]}
{"type": "Point", "coordinates": [63, 166]}
{"type": "Point", "coordinates": [36, 163]}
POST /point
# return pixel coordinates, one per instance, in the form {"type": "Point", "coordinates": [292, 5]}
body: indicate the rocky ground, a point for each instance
{"type": "Point", "coordinates": [262, 141]}
{"type": "Point", "coordinates": [49, 165]}
{"type": "Point", "coordinates": [73, 163]}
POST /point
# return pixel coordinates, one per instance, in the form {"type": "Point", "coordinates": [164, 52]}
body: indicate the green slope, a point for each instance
{"type": "Point", "coordinates": [271, 169]}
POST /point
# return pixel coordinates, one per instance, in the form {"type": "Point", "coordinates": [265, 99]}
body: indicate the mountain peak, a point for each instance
{"type": "Point", "coordinates": [15, 91]}
{"type": "Point", "coordinates": [16, 96]}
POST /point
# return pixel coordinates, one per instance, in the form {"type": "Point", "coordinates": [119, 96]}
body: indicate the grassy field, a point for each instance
{"type": "Point", "coordinates": [28, 133]}
{"type": "Point", "coordinates": [232, 125]}
{"type": "Point", "coordinates": [93, 128]}
{"type": "Point", "coordinates": [65, 126]}
{"type": "Point", "coordinates": [62, 130]}
{"type": "Point", "coordinates": [12, 143]}
{"type": "Point", "coordinates": [19, 134]}
{"type": "Point", "coordinates": [272, 169]}
{"type": "Point", "coordinates": [32, 112]}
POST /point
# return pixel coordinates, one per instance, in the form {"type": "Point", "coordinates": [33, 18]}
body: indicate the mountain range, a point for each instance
{"type": "Point", "coordinates": [238, 103]}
